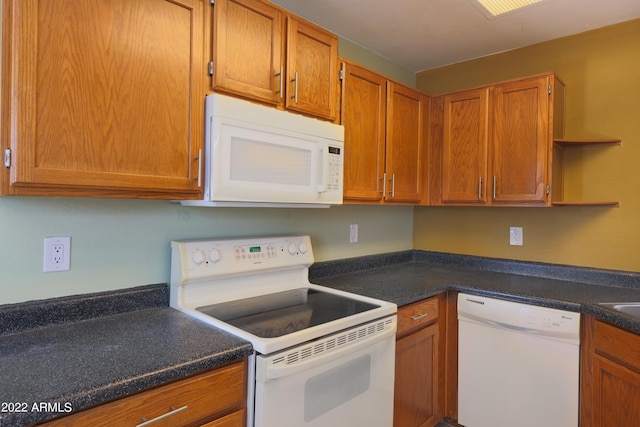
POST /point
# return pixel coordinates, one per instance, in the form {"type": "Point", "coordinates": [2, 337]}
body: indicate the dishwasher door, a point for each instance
{"type": "Point", "coordinates": [518, 365]}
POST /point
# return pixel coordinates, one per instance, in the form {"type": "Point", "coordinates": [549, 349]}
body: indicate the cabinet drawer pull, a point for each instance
{"type": "Point", "coordinates": [419, 316]}
{"type": "Point", "coordinates": [172, 411]}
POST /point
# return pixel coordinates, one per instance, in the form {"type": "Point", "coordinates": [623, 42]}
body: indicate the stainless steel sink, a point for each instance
{"type": "Point", "coordinates": [631, 308]}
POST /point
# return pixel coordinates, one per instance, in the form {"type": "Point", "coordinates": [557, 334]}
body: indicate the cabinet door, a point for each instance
{"type": "Point", "coordinates": [248, 50]}
{"type": "Point", "coordinates": [406, 118]}
{"type": "Point", "coordinates": [312, 69]}
{"type": "Point", "coordinates": [363, 117]}
{"type": "Point", "coordinates": [104, 97]}
{"type": "Point", "coordinates": [464, 145]}
{"type": "Point", "coordinates": [521, 140]}
{"type": "Point", "coordinates": [416, 382]}
{"type": "Point", "coordinates": [434, 169]}
{"type": "Point", "coordinates": [610, 383]}
{"type": "Point", "coordinates": [616, 394]}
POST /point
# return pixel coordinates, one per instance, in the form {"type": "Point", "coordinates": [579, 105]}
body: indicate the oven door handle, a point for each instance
{"type": "Point", "coordinates": [271, 372]}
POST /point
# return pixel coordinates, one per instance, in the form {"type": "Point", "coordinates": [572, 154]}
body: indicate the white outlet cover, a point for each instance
{"type": "Point", "coordinates": [57, 253]}
{"type": "Point", "coordinates": [353, 233]}
{"type": "Point", "coordinates": [515, 236]}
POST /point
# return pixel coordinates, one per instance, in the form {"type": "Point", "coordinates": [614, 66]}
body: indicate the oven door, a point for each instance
{"type": "Point", "coordinates": [342, 380]}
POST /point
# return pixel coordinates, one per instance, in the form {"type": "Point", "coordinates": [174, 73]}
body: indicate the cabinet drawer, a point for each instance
{"type": "Point", "coordinates": [617, 344]}
{"type": "Point", "coordinates": [416, 315]}
{"type": "Point", "coordinates": [199, 399]}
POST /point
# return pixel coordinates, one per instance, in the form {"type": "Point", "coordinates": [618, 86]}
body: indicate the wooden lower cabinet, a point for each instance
{"type": "Point", "coordinates": [419, 391]}
{"type": "Point", "coordinates": [610, 394]}
{"type": "Point", "coordinates": [213, 399]}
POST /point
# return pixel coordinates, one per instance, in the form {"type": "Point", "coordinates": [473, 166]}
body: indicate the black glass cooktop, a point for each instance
{"type": "Point", "coordinates": [281, 313]}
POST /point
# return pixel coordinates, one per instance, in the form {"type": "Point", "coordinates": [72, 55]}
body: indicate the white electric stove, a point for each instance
{"type": "Point", "coordinates": [322, 356]}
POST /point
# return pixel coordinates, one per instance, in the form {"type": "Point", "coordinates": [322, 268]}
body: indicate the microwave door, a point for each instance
{"type": "Point", "coordinates": [258, 164]}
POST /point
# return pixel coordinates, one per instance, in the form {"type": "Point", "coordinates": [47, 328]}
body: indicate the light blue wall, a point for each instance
{"type": "Point", "coordinates": [124, 243]}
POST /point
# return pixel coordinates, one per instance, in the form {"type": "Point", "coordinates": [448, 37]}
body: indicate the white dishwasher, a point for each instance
{"type": "Point", "coordinates": [518, 365]}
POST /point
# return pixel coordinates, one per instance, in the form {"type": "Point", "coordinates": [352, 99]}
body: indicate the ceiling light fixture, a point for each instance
{"type": "Point", "coordinates": [498, 7]}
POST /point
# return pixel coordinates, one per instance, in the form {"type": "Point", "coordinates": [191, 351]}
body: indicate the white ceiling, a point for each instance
{"type": "Point", "coordinates": [424, 34]}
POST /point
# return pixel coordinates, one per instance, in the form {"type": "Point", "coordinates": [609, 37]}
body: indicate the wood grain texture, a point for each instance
{"type": "Point", "coordinates": [102, 95]}
{"type": "Point", "coordinates": [363, 116]}
{"type": "Point", "coordinates": [521, 140]}
{"type": "Point", "coordinates": [465, 147]}
{"type": "Point", "coordinates": [207, 397]}
{"type": "Point", "coordinates": [420, 369]}
{"type": "Point", "coordinates": [312, 53]}
{"type": "Point", "coordinates": [610, 390]}
{"type": "Point", "coordinates": [407, 114]}
{"type": "Point", "coordinates": [248, 49]}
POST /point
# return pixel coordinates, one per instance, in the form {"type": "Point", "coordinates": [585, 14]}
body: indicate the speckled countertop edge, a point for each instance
{"type": "Point", "coordinates": [81, 351]}
{"type": "Point", "coordinates": [409, 276]}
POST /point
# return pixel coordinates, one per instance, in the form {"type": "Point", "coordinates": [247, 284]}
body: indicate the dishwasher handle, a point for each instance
{"type": "Point", "coordinates": [568, 337]}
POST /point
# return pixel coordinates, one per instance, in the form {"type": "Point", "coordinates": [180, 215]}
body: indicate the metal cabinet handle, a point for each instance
{"type": "Point", "coordinates": [172, 411]}
{"type": "Point", "coordinates": [494, 187]}
{"type": "Point", "coordinates": [384, 185]}
{"type": "Point", "coordinates": [419, 316]}
{"type": "Point", "coordinates": [281, 75]}
{"type": "Point", "coordinates": [479, 188]}
{"type": "Point", "coordinates": [393, 185]}
{"type": "Point", "coordinates": [200, 168]}
{"type": "Point", "coordinates": [295, 88]}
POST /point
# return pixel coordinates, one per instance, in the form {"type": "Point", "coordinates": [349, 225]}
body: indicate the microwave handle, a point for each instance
{"type": "Point", "coordinates": [324, 184]}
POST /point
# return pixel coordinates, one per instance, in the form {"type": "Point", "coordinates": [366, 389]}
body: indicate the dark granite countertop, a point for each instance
{"type": "Point", "coordinates": [77, 352]}
{"type": "Point", "coordinates": [110, 346]}
{"type": "Point", "coordinates": [410, 276]}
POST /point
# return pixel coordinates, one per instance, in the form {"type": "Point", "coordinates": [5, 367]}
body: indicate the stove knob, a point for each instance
{"type": "Point", "coordinates": [303, 248]}
{"type": "Point", "coordinates": [292, 248]}
{"type": "Point", "coordinates": [214, 255]}
{"type": "Point", "coordinates": [198, 257]}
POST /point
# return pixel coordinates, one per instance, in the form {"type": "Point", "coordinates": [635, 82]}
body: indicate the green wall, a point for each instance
{"type": "Point", "coordinates": [600, 71]}
{"type": "Point", "coordinates": [124, 243]}
{"type": "Point", "coordinates": [369, 59]}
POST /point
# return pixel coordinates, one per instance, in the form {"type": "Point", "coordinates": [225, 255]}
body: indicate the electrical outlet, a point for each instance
{"type": "Point", "coordinates": [353, 233]}
{"type": "Point", "coordinates": [515, 236]}
{"type": "Point", "coordinates": [57, 253]}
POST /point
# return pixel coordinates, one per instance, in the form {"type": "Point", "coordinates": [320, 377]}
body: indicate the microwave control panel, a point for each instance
{"type": "Point", "coordinates": [335, 168]}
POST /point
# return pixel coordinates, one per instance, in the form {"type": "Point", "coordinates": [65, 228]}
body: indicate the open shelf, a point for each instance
{"type": "Point", "coordinates": [567, 143]}
{"type": "Point", "coordinates": [587, 204]}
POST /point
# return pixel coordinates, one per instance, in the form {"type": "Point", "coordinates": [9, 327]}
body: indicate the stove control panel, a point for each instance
{"type": "Point", "coordinates": [199, 260]}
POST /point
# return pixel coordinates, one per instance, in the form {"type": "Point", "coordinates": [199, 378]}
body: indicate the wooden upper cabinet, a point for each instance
{"type": "Point", "coordinates": [312, 69]}
{"type": "Point", "coordinates": [248, 46]}
{"type": "Point", "coordinates": [522, 140]}
{"type": "Point", "coordinates": [496, 143]}
{"type": "Point", "coordinates": [252, 39]}
{"type": "Point", "coordinates": [363, 116]}
{"type": "Point", "coordinates": [464, 147]}
{"type": "Point", "coordinates": [103, 98]}
{"type": "Point", "coordinates": [407, 111]}
{"type": "Point", "coordinates": [385, 130]}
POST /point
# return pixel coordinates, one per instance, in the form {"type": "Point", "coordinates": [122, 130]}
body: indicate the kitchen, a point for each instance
{"type": "Point", "coordinates": [118, 244]}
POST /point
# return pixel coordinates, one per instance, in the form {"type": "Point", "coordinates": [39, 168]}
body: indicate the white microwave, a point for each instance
{"type": "Point", "coordinates": [260, 156]}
